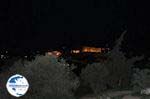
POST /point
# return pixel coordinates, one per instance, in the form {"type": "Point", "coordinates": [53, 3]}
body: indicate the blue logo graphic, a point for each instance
{"type": "Point", "coordinates": [17, 85]}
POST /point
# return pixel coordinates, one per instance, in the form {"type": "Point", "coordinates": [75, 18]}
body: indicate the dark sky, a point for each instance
{"type": "Point", "coordinates": [53, 23]}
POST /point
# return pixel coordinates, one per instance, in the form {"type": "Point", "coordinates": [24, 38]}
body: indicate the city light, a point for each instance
{"type": "Point", "coordinates": [92, 49]}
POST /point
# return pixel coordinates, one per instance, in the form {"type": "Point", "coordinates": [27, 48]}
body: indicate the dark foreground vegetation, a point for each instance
{"type": "Point", "coordinates": [52, 78]}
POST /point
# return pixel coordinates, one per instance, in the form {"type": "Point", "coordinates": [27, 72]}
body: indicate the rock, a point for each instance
{"type": "Point", "coordinates": [146, 91]}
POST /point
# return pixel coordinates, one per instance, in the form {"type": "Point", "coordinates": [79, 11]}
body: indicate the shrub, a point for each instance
{"type": "Point", "coordinates": [145, 97]}
{"type": "Point", "coordinates": [96, 76]}
{"type": "Point", "coordinates": [115, 72]}
{"type": "Point", "coordinates": [48, 78]}
{"type": "Point", "coordinates": [141, 79]}
{"type": "Point", "coordinates": [120, 67]}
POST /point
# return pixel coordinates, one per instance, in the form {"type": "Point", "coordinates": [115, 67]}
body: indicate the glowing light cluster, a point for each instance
{"type": "Point", "coordinates": [54, 53]}
{"type": "Point", "coordinates": [92, 49]}
{"type": "Point", "coordinates": [76, 51]}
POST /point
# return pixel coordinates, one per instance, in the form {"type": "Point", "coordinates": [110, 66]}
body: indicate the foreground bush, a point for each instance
{"type": "Point", "coordinates": [119, 66]}
{"type": "Point", "coordinates": [96, 76]}
{"type": "Point", "coordinates": [145, 97]}
{"type": "Point", "coordinates": [114, 73]}
{"type": "Point", "coordinates": [48, 79]}
{"type": "Point", "coordinates": [141, 79]}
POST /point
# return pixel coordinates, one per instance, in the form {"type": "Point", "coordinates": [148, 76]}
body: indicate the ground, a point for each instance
{"type": "Point", "coordinates": [125, 94]}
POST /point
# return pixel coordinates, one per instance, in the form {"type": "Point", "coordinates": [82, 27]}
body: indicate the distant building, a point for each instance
{"type": "Point", "coordinates": [90, 50]}
{"type": "Point", "coordinates": [75, 51]}
{"type": "Point", "coordinates": [87, 55]}
{"type": "Point", "coordinates": [84, 54]}
{"type": "Point", "coordinates": [54, 53]}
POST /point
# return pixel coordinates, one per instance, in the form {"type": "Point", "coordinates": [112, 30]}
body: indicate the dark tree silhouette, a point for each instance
{"type": "Point", "coordinates": [117, 69]}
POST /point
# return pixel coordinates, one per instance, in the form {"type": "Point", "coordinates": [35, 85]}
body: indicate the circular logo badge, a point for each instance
{"type": "Point", "coordinates": [17, 85]}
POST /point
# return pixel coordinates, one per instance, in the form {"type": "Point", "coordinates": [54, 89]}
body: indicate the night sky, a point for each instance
{"type": "Point", "coordinates": [56, 23]}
